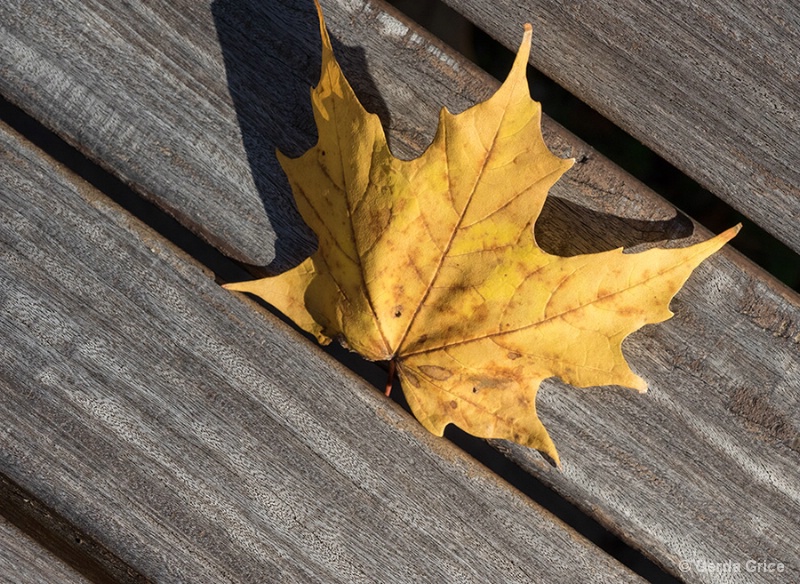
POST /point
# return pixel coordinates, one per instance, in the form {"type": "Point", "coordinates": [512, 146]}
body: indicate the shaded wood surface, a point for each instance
{"type": "Point", "coordinates": [23, 560]}
{"type": "Point", "coordinates": [704, 468]}
{"type": "Point", "coordinates": [713, 86]}
{"type": "Point", "coordinates": [39, 545]}
{"type": "Point", "coordinates": [198, 439]}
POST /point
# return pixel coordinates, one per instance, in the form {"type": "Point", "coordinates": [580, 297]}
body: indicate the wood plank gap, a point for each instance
{"type": "Point", "coordinates": [123, 195]}
{"type": "Point", "coordinates": [486, 453]}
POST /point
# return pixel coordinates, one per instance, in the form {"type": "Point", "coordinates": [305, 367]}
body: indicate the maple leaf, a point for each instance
{"type": "Point", "coordinates": [431, 263]}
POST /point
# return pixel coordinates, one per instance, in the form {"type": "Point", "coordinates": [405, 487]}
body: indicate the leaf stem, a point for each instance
{"type": "Point", "coordinates": [390, 378]}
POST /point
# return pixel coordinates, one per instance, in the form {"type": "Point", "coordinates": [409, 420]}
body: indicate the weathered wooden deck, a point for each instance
{"type": "Point", "coordinates": [155, 427]}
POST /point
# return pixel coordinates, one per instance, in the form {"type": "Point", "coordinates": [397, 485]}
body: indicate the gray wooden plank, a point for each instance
{"type": "Point", "coordinates": [595, 207]}
{"type": "Point", "coordinates": [141, 90]}
{"type": "Point", "coordinates": [200, 440]}
{"type": "Point", "coordinates": [713, 87]}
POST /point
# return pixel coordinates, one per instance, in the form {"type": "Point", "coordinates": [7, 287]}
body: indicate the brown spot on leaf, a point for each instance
{"type": "Point", "coordinates": [398, 311]}
{"type": "Point", "coordinates": [453, 404]}
{"type": "Point", "coordinates": [626, 311]}
{"type": "Point", "coordinates": [436, 372]}
{"type": "Point", "coordinates": [412, 379]}
{"type": "Point", "coordinates": [514, 355]}
{"type": "Point", "coordinates": [489, 381]}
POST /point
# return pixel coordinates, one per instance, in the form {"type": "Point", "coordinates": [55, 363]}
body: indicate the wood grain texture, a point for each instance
{"type": "Point", "coordinates": [143, 98]}
{"type": "Point", "coordinates": [200, 440]}
{"type": "Point", "coordinates": [722, 415]}
{"type": "Point", "coordinates": [713, 86]}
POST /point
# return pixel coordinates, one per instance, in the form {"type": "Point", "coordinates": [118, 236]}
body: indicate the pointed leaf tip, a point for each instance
{"type": "Point", "coordinates": [523, 53]}
{"type": "Point", "coordinates": [733, 231]}
{"type": "Point", "coordinates": [327, 50]}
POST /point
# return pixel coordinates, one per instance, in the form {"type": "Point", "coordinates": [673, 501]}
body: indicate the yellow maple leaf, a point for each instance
{"type": "Point", "coordinates": [431, 263]}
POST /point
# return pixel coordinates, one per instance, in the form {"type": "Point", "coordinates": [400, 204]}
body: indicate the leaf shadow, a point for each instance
{"type": "Point", "coordinates": [271, 52]}
{"type": "Point", "coordinates": [566, 228]}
